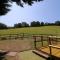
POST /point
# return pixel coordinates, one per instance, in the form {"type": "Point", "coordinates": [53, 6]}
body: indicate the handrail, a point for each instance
{"type": "Point", "coordinates": [54, 46]}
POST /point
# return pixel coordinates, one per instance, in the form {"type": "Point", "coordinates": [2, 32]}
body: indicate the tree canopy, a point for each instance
{"type": "Point", "coordinates": [3, 26]}
{"type": "Point", "coordinates": [35, 24]}
{"type": "Point", "coordinates": [4, 4]}
{"type": "Point", "coordinates": [4, 7]}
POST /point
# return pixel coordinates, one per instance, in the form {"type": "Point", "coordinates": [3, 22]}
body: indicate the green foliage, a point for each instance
{"type": "Point", "coordinates": [19, 25]}
{"type": "Point", "coordinates": [35, 24]}
{"type": "Point", "coordinates": [3, 26]}
{"type": "Point", "coordinates": [4, 4]}
{"type": "Point", "coordinates": [24, 24]}
{"type": "Point", "coordinates": [4, 7]}
{"type": "Point", "coordinates": [21, 2]}
{"type": "Point", "coordinates": [42, 23]}
{"type": "Point", "coordinates": [57, 23]}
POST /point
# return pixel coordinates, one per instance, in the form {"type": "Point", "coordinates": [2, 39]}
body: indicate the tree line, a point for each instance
{"type": "Point", "coordinates": [32, 24]}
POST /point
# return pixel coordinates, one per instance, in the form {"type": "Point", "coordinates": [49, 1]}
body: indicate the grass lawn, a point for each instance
{"type": "Point", "coordinates": [29, 55]}
{"type": "Point", "coordinates": [39, 44]}
{"type": "Point", "coordinates": [33, 30]}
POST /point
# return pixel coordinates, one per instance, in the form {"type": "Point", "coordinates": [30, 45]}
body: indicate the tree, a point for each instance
{"type": "Point", "coordinates": [57, 23]}
{"type": "Point", "coordinates": [49, 24]}
{"type": "Point", "coordinates": [35, 24]}
{"type": "Point", "coordinates": [3, 26]}
{"type": "Point", "coordinates": [21, 2]}
{"type": "Point", "coordinates": [4, 4]}
{"type": "Point", "coordinates": [42, 24]}
{"type": "Point", "coordinates": [4, 7]}
{"type": "Point", "coordinates": [24, 24]}
{"type": "Point", "coordinates": [17, 25]}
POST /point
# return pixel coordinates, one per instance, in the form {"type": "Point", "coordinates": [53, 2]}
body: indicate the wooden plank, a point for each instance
{"type": "Point", "coordinates": [41, 54]}
{"type": "Point", "coordinates": [55, 51]}
{"type": "Point", "coordinates": [54, 46]}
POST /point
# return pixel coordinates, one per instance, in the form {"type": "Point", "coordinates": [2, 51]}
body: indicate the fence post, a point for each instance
{"type": "Point", "coordinates": [34, 41]}
{"type": "Point", "coordinates": [22, 36]}
{"type": "Point", "coordinates": [42, 40]}
{"type": "Point", "coordinates": [50, 48]}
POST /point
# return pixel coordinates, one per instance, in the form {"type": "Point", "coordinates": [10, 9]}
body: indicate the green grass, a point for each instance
{"type": "Point", "coordinates": [33, 30]}
{"type": "Point", "coordinates": [39, 44]}
{"type": "Point", "coordinates": [29, 55]}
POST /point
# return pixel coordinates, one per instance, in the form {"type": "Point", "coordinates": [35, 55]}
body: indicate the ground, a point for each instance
{"type": "Point", "coordinates": [29, 55]}
{"type": "Point", "coordinates": [15, 45]}
{"type": "Point", "coordinates": [26, 44]}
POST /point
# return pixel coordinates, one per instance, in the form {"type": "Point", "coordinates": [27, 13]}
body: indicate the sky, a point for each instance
{"type": "Point", "coordinates": [44, 11]}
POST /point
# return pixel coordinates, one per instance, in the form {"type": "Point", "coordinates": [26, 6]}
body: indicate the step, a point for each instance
{"type": "Point", "coordinates": [41, 54]}
{"type": "Point", "coordinates": [12, 56]}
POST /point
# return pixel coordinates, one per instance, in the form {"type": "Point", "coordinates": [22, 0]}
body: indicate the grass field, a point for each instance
{"type": "Point", "coordinates": [33, 30]}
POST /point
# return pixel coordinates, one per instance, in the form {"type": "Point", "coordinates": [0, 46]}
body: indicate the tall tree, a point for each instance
{"type": "Point", "coordinates": [24, 24]}
{"type": "Point", "coordinates": [4, 4]}
{"type": "Point", "coordinates": [17, 25]}
{"type": "Point", "coordinates": [35, 24]}
{"type": "Point", "coordinates": [42, 23]}
{"type": "Point", "coordinates": [3, 26]}
{"type": "Point", "coordinates": [57, 23]}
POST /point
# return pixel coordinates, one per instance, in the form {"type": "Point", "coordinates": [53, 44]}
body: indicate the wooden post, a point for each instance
{"type": "Point", "coordinates": [56, 40]}
{"type": "Point", "coordinates": [34, 42]}
{"type": "Point", "coordinates": [9, 36]}
{"type": "Point", "coordinates": [42, 40]}
{"type": "Point", "coordinates": [22, 36]}
{"type": "Point", "coordinates": [50, 48]}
